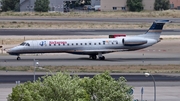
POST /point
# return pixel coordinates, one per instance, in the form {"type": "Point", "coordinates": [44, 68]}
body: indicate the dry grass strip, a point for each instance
{"type": "Point", "coordinates": [79, 25]}
{"type": "Point", "coordinates": [101, 68]}
{"type": "Point", "coordinates": [91, 14]}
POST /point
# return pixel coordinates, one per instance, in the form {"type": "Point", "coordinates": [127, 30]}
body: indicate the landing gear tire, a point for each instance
{"type": "Point", "coordinates": [18, 58]}
{"type": "Point", "coordinates": [94, 57]}
{"type": "Point", "coordinates": [102, 58]}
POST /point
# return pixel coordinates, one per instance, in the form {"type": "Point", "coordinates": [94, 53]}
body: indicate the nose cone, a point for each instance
{"type": "Point", "coordinates": [8, 50]}
{"type": "Point", "coordinates": [12, 51]}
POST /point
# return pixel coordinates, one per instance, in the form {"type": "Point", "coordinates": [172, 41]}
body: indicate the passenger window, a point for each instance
{"type": "Point", "coordinates": [68, 44]}
{"type": "Point", "coordinates": [59, 44]}
{"type": "Point", "coordinates": [76, 43]}
{"type": "Point", "coordinates": [89, 43]}
{"type": "Point", "coordinates": [63, 44]}
{"type": "Point", "coordinates": [116, 42]}
{"type": "Point", "coordinates": [85, 43]}
{"type": "Point", "coordinates": [72, 44]}
{"type": "Point", "coordinates": [99, 43]}
{"type": "Point", "coordinates": [81, 44]}
{"type": "Point", "coordinates": [94, 43]}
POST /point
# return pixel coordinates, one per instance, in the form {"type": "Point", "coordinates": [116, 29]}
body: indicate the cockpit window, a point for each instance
{"type": "Point", "coordinates": [27, 44]}
{"type": "Point", "coordinates": [22, 44]}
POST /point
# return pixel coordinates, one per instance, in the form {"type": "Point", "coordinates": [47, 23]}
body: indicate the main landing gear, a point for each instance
{"type": "Point", "coordinates": [94, 57]}
{"type": "Point", "coordinates": [18, 58]}
{"type": "Point", "coordinates": [102, 58]}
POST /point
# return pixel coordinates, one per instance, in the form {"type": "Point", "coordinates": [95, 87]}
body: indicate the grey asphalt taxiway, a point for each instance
{"type": "Point", "coordinates": [11, 77]}
{"type": "Point", "coordinates": [69, 32]}
{"type": "Point", "coordinates": [122, 58]}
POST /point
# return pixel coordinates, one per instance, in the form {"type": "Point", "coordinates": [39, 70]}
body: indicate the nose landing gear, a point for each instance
{"type": "Point", "coordinates": [18, 58]}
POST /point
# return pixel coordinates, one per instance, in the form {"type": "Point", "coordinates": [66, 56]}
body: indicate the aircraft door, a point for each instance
{"type": "Point", "coordinates": [35, 46]}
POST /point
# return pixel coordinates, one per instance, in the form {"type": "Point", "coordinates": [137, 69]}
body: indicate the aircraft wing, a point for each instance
{"type": "Point", "coordinates": [96, 51]}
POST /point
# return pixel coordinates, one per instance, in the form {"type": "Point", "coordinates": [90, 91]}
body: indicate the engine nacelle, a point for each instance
{"type": "Point", "coordinates": [133, 41]}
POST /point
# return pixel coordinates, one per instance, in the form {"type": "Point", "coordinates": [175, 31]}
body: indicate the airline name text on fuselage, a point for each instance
{"type": "Point", "coordinates": [57, 42]}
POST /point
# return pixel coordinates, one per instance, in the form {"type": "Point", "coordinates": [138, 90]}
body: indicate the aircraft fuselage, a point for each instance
{"type": "Point", "coordinates": [77, 46]}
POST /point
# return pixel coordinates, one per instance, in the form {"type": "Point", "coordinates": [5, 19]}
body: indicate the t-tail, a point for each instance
{"type": "Point", "coordinates": [155, 30]}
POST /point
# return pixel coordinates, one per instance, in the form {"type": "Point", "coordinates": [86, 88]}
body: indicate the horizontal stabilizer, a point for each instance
{"type": "Point", "coordinates": [162, 21]}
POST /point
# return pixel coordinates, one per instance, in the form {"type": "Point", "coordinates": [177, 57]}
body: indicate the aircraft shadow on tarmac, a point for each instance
{"type": "Point", "coordinates": [87, 59]}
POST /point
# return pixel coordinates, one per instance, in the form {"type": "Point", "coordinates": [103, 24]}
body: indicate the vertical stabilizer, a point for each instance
{"type": "Point", "coordinates": [155, 30]}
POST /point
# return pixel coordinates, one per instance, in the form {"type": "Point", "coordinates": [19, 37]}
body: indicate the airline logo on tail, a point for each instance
{"type": "Point", "coordinates": [158, 24]}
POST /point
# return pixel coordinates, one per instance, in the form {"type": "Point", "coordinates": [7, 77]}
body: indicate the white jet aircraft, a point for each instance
{"type": "Point", "coordinates": [92, 47]}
